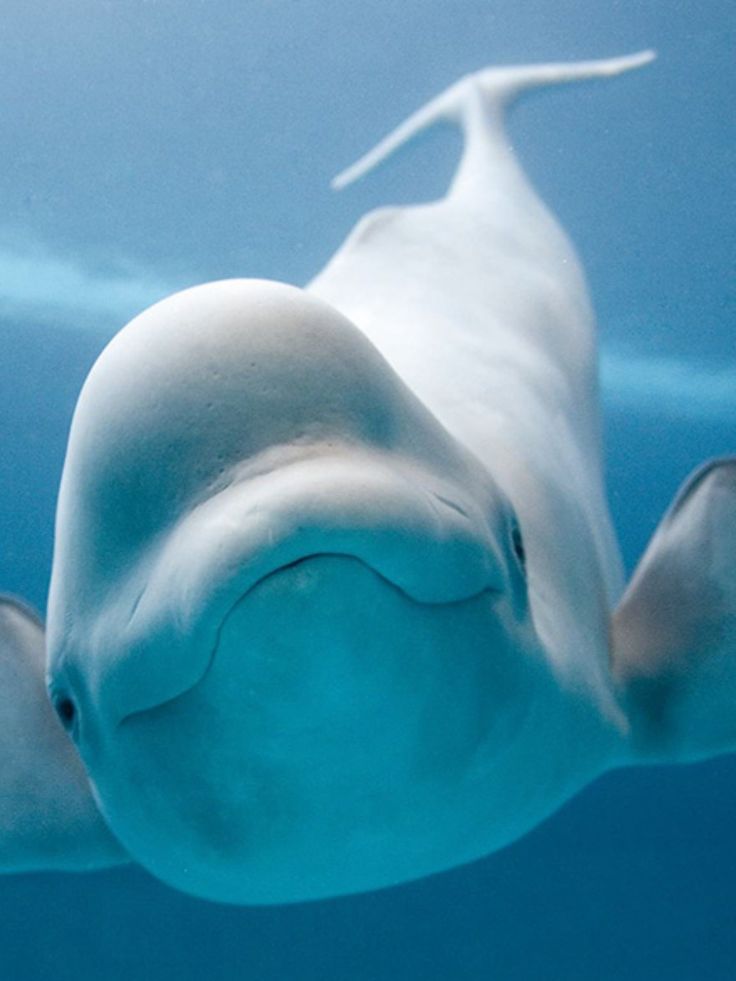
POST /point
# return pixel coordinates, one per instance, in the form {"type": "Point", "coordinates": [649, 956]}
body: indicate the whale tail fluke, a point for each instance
{"type": "Point", "coordinates": [493, 89]}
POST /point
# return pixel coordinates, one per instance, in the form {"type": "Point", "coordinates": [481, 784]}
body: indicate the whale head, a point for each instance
{"type": "Point", "coordinates": [288, 623]}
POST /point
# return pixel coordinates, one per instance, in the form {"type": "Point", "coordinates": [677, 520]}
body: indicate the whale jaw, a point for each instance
{"type": "Point", "coordinates": [335, 743]}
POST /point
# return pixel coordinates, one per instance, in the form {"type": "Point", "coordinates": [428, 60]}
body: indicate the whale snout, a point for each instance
{"type": "Point", "coordinates": [416, 529]}
{"type": "Point", "coordinates": [360, 659]}
{"type": "Point", "coordinates": [419, 533]}
{"type": "Point", "coordinates": [323, 651]}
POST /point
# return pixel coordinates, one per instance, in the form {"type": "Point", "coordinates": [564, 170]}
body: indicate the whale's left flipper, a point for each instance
{"type": "Point", "coordinates": [674, 633]}
{"type": "Point", "coordinates": [48, 818]}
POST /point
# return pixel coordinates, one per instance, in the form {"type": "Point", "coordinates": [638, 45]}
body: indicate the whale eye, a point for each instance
{"type": "Point", "coordinates": [66, 710]}
{"type": "Point", "coordinates": [517, 543]}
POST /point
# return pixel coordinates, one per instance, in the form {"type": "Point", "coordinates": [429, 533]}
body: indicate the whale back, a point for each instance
{"type": "Point", "coordinates": [479, 302]}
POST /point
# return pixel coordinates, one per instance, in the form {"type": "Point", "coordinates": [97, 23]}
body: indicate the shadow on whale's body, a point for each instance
{"type": "Point", "coordinates": [333, 581]}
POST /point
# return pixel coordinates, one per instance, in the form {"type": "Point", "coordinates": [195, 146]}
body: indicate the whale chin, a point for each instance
{"type": "Point", "coordinates": [334, 743]}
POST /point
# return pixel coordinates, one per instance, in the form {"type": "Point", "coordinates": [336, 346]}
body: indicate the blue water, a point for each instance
{"type": "Point", "coordinates": [149, 144]}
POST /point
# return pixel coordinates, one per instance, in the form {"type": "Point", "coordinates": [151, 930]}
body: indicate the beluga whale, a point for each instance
{"type": "Point", "coordinates": [336, 600]}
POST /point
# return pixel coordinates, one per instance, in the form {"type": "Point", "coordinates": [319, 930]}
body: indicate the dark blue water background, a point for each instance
{"type": "Point", "coordinates": [150, 144]}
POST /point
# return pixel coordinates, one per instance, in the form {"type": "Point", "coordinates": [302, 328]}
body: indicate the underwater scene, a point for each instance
{"type": "Point", "coordinates": [154, 145]}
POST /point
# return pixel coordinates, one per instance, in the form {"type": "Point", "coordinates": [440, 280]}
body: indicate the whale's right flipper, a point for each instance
{"type": "Point", "coordinates": [48, 817]}
{"type": "Point", "coordinates": [674, 633]}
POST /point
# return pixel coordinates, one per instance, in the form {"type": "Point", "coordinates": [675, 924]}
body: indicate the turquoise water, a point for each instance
{"type": "Point", "coordinates": [149, 145]}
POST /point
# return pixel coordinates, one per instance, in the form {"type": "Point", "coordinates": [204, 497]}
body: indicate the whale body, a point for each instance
{"type": "Point", "coordinates": [336, 601]}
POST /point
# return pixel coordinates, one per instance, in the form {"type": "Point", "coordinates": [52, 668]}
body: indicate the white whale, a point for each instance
{"type": "Point", "coordinates": [334, 574]}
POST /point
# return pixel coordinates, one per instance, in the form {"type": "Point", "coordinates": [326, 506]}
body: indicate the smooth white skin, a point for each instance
{"type": "Point", "coordinates": [285, 598]}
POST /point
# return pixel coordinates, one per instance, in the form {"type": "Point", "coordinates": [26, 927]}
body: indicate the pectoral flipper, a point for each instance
{"type": "Point", "coordinates": [48, 817]}
{"type": "Point", "coordinates": [674, 633]}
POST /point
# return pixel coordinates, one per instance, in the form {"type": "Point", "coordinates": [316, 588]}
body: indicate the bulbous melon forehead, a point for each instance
{"type": "Point", "coordinates": [212, 376]}
{"type": "Point", "coordinates": [245, 360]}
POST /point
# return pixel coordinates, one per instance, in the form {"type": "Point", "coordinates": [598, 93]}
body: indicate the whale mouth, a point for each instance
{"type": "Point", "coordinates": [419, 537]}
{"type": "Point", "coordinates": [417, 531]}
{"type": "Point", "coordinates": [304, 562]}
